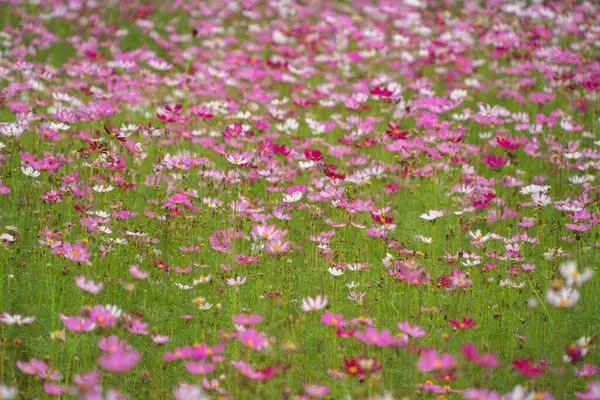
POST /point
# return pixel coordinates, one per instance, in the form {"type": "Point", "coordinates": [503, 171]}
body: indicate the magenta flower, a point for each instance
{"type": "Point", "coordinates": [247, 320]}
{"type": "Point", "coordinates": [76, 252]}
{"type": "Point", "coordinates": [103, 316]}
{"type": "Point", "coordinates": [258, 375]}
{"type": "Point", "coordinates": [483, 360]}
{"type": "Point", "coordinates": [120, 361]}
{"type": "Point", "coordinates": [333, 320]}
{"type": "Point", "coordinates": [495, 162]}
{"type": "Point", "coordinates": [253, 339]}
{"type": "Point", "coordinates": [465, 323]}
{"type": "Point", "coordinates": [135, 325]}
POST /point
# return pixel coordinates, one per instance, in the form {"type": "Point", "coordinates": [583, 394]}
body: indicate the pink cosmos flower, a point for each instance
{"type": "Point", "coordinates": [253, 339]}
{"type": "Point", "coordinates": [88, 285]}
{"type": "Point", "coordinates": [160, 339]}
{"type": "Point", "coordinates": [465, 323]}
{"type": "Point", "coordinates": [120, 361]}
{"type": "Point", "coordinates": [103, 316]}
{"type": "Point", "coordinates": [213, 384]}
{"type": "Point", "coordinates": [483, 360]}
{"type": "Point", "coordinates": [258, 375]}
{"type": "Point", "coordinates": [372, 337]}
{"type": "Point", "coordinates": [316, 390]}
{"type": "Point", "coordinates": [178, 353]}
{"type": "Point", "coordinates": [430, 360]}
{"type": "Point", "coordinates": [52, 389]}
{"type": "Point", "coordinates": [593, 392]}
{"type": "Point", "coordinates": [415, 331]}
{"type": "Point", "coordinates": [203, 351]}
{"type": "Point", "coordinates": [237, 282]}
{"type": "Point", "coordinates": [243, 319]}
{"type": "Point", "coordinates": [333, 320]}
{"type": "Point", "coordinates": [528, 368]}
{"type": "Point", "coordinates": [187, 392]}
{"type": "Point", "coordinates": [199, 367]}
{"type": "Point", "coordinates": [137, 273]}
{"type": "Point", "coordinates": [113, 344]}
{"type": "Point", "coordinates": [587, 370]}
{"type": "Point", "coordinates": [79, 324]}
{"type": "Point", "coordinates": [39, 368]}
{"type": "Point", "coordinates": [76, 252]}
{"type": "Point", "coordinates": [495, 161]}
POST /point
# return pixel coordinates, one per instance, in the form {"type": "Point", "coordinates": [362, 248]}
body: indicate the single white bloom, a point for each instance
{"type": "Point", "coordinates": [318, 303]}
{"type": "Point", "coordinates": [432, 215]}
{"type": "Point", "coordinates": [30, 171]}
{"type": "Point", "coordinates": [103, 188]}
{"type": "Point", "coordinates": [569, 271]}
{"type": "Point", "coordinates": [566, 297]}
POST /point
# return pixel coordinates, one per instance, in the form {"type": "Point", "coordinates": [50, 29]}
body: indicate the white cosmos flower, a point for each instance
{"type": "Point", "coordinates": [508, 282]}
{"type": "Point", "coordinates": [479, 236]}
{"type": "Point", "coordinates": [388, 260]}
{"type": "Point", "coordinates": [7, 392]}
{"type": "Point", "coordinates": [203, 279]}
{"type": "Point", "coordinates": [30, 171]}
{"type": "Point", "coordinates": [181, 286]}
{"type": "Point", "coordinates": [569, 271]}
{"type": "Point", "coordinates": [59, 126]}
{"type": "Point", "coordinates": [565, 297]}
{"type": "Point", "coordinates": [105, 229]}
{"type": "Point", "coordinates": [458, 94]}
{"type": "Point", "coordinates": [7, 238]}
{"type": "Point", "coordinates": [432, 215]}
{"type": "Point", "coordinates": [531, 189]}
{"type": "Point", "coordinates": [205, 306]}
{"type": "Point", "coordinates": [541, 199]}
{"type": "Point", "coordinates": [310, 304]}
{"type": "Point", "coordinates": [335, 271]}
{"type": "Point", "coordinates": [306, 164]}
{"type": "Point", "coordinates": [292, 198]}
{"type": "Point", "coordinates": [103, 188]}
{"type": "Point", "coordinates": [16, 319]}
{"type": "Point", "coordinates": [424, 239]}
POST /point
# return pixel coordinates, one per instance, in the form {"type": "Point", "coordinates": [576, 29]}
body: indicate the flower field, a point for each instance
{"type": "Point", "coordinates": [299, 199]}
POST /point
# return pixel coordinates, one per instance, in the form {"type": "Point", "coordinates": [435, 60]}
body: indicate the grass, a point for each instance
{"type": "Point", "coordinates": [37, 282]}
